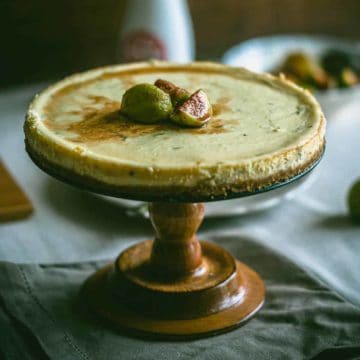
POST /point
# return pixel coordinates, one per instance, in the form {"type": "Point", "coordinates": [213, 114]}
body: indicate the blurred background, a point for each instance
{"type": "Point", "coordinates": [44, 40]}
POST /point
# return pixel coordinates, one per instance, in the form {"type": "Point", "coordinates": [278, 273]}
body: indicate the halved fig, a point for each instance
{"type": "Point", "coordinates": [178, 95]}
{"type": "Point", "coordinates": [194, 112]}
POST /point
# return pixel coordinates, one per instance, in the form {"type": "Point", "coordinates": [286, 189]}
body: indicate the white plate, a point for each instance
{"type": "Point", "coordinates": [266, 53]}
{"type": "Point", "coordinates": [241, 206]}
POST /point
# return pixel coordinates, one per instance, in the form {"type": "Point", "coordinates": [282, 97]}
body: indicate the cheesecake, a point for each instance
{"type": "Point", "coordinates": [264, 131]}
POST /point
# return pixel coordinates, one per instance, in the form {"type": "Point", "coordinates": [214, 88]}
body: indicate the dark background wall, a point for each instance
{"type": "Point", "coordinates": [43, 39]}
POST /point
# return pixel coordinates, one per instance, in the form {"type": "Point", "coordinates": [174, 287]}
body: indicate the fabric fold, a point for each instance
{"type": "Point", "coordinates": [301, 318]}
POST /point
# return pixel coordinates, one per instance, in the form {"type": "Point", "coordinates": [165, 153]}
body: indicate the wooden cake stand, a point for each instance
{"type": "Point", "coordinates": [173, 286]}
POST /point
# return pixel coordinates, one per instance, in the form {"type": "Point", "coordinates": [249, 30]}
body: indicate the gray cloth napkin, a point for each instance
{"type": "Point", "coordinates": [301, 319]}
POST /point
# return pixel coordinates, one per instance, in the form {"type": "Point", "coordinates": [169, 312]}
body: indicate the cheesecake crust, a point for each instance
{"type": "Point", "coordinates": [171, 193]}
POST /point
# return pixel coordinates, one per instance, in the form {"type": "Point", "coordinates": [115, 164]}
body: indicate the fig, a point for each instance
{"type": "Point", "coordinates": [299, 65]}
{"type": "Point", "coordinates": [178, 95]}
{"type": "Point", "coordinates": [306, 69]}
{"type": "Point", "coordinates": [354, 201]}
{"type": "Point", "coordinates": [334, 61]}
{"type": "Point", "coordinates": [194, 112]}
{"type": "Point", "coordinates": [146, 103]}
{"type": "Point", "coordinates": [348, 78]}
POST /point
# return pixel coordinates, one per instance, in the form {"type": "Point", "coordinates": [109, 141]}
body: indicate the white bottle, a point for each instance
{"type": "Point", "coordinates": [157, 29]}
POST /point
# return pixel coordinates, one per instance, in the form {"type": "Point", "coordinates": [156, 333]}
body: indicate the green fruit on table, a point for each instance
{"type": "Point", "coordinates": [146, 103]}
{"type": "Point", "coordinates": [354, 201]}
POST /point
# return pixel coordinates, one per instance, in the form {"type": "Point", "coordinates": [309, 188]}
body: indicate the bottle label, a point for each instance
{"type": "Point", "coordinates": [142, 45]}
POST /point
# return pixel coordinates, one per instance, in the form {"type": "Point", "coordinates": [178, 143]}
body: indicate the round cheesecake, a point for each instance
{"type": "Point", "coordinates": [264, 130]}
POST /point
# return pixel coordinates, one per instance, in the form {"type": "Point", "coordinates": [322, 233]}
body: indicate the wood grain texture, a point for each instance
{"type": "Point", "coordinates": [100, 296]}
{"type": "Point", "coordinates": [175, 286]}
{"type": "Point", "coordinates": [43, 39]}
{"type": "Point", "coordinates": [176, 248]}
{"type": "Point", "coordinates": [14, 204]}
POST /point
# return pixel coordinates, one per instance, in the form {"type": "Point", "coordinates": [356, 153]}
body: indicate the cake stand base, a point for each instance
{"type": "Point", "coordinates": [221, 294]}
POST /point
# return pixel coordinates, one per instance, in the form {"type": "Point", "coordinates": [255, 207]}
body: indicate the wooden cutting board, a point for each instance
{"type": "Point", "coordinates": [14, 204]}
